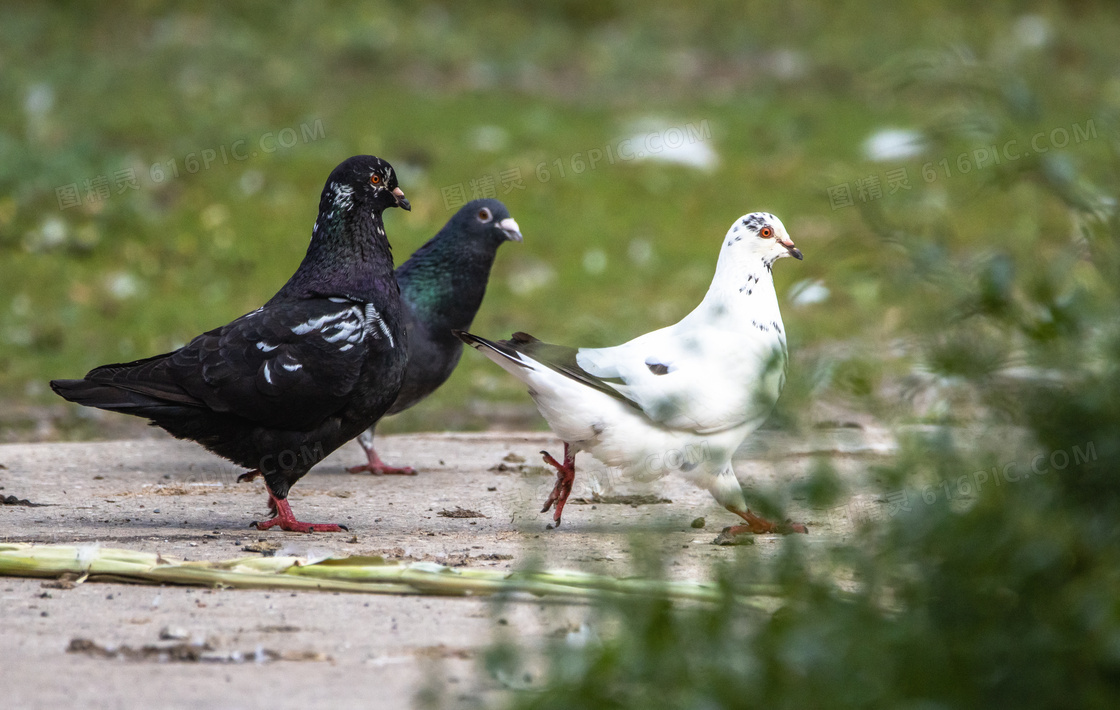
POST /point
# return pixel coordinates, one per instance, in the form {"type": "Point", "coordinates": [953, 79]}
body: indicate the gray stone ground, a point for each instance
{"type": "Point", "coordinates": [163, 495]}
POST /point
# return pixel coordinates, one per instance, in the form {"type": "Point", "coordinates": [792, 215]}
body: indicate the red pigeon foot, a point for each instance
{"type": "Point", "coordinates": [760, 526]}
{"type": "Point", "coordinates": [286, 520]}
{"type": "Point", "coordinates": [565, 476]}
{"type": "Point", "coordinates": [379, 468]}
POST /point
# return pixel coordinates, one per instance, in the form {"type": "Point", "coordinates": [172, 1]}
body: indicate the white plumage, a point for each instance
{"type": "Point", "coordinates": [680, 399]}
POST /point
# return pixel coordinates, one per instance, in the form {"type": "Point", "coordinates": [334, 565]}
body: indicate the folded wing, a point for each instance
{"type": "Point", "coordinates": [309, 352]}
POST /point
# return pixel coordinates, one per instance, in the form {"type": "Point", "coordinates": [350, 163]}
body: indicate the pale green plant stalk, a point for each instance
{"type": "Point", "coordinates": [371, 575]}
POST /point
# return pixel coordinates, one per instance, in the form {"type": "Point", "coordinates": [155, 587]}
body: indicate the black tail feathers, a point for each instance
{"type": "Point", "coordinates": [110, 397]}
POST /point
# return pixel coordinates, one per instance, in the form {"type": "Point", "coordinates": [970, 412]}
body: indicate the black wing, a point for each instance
{"type": "Point", "coordinates": [287, 366]}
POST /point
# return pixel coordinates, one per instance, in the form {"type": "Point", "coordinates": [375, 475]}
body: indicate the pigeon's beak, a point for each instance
{"type": "Point", "coordinates": [401, 201]}
{"type": "Point", "coordinates": [509, 226]}
{"type": "Point", "coordinates": [793, 251]}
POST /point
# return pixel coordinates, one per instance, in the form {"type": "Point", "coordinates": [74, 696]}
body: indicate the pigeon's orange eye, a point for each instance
{"type": "Point", "coordinates": [766, 232]}
{"type": "Point", "coordinates": [375, 179]}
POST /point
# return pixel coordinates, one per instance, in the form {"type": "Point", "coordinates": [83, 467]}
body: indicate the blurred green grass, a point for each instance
{"type": "Point", "coordinates": [451, 92]}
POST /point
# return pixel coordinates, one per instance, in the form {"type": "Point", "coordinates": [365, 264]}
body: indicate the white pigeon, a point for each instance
{"type": "Point", "coordinates": [680, 399]}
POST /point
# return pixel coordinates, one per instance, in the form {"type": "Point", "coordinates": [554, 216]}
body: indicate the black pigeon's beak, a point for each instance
{"type": "Point", "coordinates": [401, 201]}
{"type": "Point", "coordinates": [793, 251]}
{"type": "Point", "coordinates": [509, 226]}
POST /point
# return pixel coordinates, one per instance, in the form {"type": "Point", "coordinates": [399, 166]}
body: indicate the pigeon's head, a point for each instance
{"type": "Point", "coordinates": [364, 181]}
{"type": "Point", "coordinates": [484, 223]}
{"type": "Point", "coordinates": [759, 236]}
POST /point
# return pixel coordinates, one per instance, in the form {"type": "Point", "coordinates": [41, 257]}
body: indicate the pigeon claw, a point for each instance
{"type": "Point", "coordinates": [375, 465]}
{"type": "Point", "coordinates": [380, 469]}
{"type": "Point", "coordinates": [286, 520]}
{"type": "Point", "coordinates": [791, 527]}
{"type": "Point", "coordinates": [297, 526]}
{"type": "Point", "coordinates": [565, 476]}
{"type": "Point", "coordinates": [758, 525]}
{"type": "Point", "coordinates": [249, 476]}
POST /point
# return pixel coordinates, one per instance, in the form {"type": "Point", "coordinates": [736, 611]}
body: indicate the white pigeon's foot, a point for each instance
{"type": "Point", "coordinates": [565, 476]}
{"type": "Point", "coordinates": [757, 525]}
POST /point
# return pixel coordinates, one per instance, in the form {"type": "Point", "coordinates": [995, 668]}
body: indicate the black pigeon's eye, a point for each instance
{"type": "Point", "coordinates": [375, 179]}
{"type": "Point", "coordinates": [484, 215]}
{"type": "Point", "coordinates": [766, 232]}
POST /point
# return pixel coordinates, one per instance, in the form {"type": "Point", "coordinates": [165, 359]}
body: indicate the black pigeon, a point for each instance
{"type": "Point", "coordinates": [279, 389]}
{"type": "Point", "coordinates": [442, 286]}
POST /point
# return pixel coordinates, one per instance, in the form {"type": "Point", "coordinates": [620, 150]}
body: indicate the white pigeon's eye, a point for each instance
{"type": "Point", "coordinates": [766, 232]}
{"type": "Point", "coordinates": [484, 215]}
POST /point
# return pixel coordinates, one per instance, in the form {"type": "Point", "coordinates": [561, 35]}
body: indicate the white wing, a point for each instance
{"type": "Point", "coordinates": [702, 379]}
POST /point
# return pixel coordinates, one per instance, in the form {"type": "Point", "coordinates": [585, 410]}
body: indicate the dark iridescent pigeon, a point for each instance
{"type": "Point", "coordinates": [279, 389]}
{"type": "Point", "coordinates": [442, 286]}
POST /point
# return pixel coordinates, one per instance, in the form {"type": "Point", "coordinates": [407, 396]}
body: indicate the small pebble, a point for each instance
{"type": "Point", "coordinates": [173, 633]}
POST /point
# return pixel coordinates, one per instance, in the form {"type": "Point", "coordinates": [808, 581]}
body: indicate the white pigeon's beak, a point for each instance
{"type": "Point", "coordinates": [793, 251]}
{"type": "Point", "coordinates": [509, 226]}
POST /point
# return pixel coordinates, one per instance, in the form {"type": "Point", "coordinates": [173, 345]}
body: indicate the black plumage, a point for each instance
{"type": "Point", "coordinates": [280, 388]}
{"type": "Point", "coordinates": [442, 286]}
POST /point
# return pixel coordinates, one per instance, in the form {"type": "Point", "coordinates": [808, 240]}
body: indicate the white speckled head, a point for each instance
{"type": "Point", "coordinates": [753, 242]}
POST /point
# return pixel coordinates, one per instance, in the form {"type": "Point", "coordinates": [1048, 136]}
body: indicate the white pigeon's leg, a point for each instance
{"type": "Point", "coordinates": [726, 490]}
{"type": "Point", "coordinates": [375, 465]}
{"type": "Point", "coordinates": [565, 476]}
